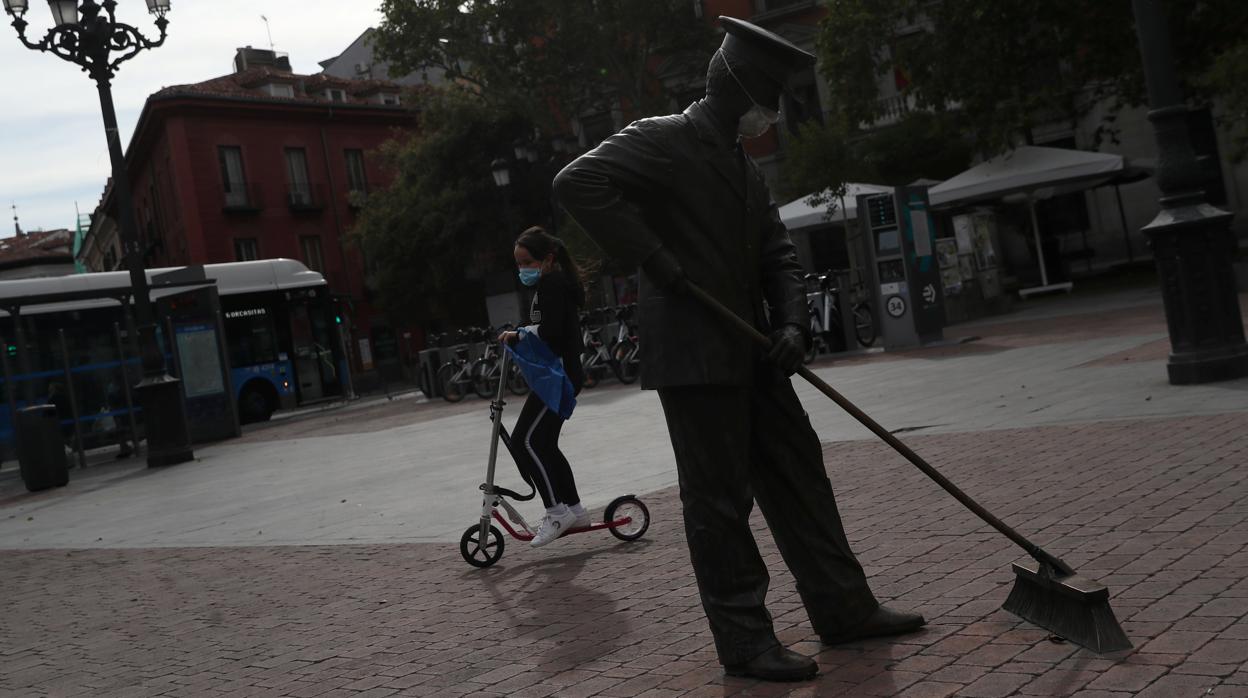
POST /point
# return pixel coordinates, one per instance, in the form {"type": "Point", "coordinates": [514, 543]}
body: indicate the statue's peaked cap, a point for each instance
{"type": "Point", "coordinates": [771, 54]}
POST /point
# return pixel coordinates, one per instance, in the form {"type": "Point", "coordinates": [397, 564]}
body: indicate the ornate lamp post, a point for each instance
{"type": "Point", "coordinates": [1191, 239]}
{"type": "Point", "coordinates": [88, 34]}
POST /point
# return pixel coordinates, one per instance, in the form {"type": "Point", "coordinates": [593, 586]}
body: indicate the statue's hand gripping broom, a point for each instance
{"type": "Point", "coordinates": [1047, 592]}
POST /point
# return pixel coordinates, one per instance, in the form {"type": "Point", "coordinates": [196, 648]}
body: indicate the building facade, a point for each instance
{"type": "Point", "coordinates": [259, 164]}
{"type": "Point", "coordinates": [360, 62]}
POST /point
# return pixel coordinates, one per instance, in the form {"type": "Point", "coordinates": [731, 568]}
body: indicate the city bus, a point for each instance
{"type": "Point", "coordinates": [279, 321]}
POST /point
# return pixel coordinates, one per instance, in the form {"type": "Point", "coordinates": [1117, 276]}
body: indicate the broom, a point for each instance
{"type": "Point", "coordinates": [1047, 592]}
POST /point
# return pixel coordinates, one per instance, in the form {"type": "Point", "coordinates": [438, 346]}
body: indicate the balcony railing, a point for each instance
{"type": "Point", "coordinates": [305, 197]}
{"type": "Point", "coordinates": [892, 109]}
{"type": "Point", "coordinates": [242, 199]}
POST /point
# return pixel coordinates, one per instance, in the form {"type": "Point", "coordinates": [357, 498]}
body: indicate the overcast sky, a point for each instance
{"type": "Point", "coordinates": [52, 148]}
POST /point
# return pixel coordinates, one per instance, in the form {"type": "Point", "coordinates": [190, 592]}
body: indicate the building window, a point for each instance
{"type": "Point", "coordinates": [311, 245]}
{"type": "Point", "coordinates": [110, 258]}
{"type": "Point", "coordinates": [231, 160]}
{"type": "Point", "coordinates": [287, 91]}
{"type": "Point", "coordinates": [334, 94]}
{"type": "Point", "coordinates": [390, 98]}
{"type": "Point", "coordinates": [356, 179]}
{"type": "Point", "coordinates": [246, 249]}
{"type": "Point", "coordinates": [297, 176]}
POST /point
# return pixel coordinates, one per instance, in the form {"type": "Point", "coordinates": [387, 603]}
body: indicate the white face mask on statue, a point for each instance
{"type": "Point", "coordinates": [758, 119]}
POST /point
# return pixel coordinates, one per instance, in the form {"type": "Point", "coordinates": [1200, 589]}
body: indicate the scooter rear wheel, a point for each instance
{"type": "Point", "coordinates": [628, 507]}
{"type": "Point", "coordinates": [479, 555]}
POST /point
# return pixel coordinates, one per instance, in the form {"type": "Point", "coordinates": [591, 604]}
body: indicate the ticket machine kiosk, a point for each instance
{"type": "Point", "coordinates": [192, 320]}
{"type": "Point", "coordinates": [903, 271]}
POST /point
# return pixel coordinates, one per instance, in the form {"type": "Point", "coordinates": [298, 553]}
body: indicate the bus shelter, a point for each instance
{"type": "Point", "coordinates": [77, 350]}
{"type": "Point", "coordinates": [246, 338]}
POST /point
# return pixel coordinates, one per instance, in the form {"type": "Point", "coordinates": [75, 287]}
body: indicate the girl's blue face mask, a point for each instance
{"type": "Point", "coordinates": [530, 276]}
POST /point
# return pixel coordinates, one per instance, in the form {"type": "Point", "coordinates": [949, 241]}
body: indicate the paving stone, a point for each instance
{"type": "Point", "coordinates": [1126, 678]}
{"type": "Point", "coordinates": [1175, 685]}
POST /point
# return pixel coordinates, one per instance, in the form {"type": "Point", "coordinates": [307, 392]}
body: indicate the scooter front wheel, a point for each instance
{"type": "Point", "coordinates": [628, 507]}
{"type": "Point", "coordinates": [475, 553]}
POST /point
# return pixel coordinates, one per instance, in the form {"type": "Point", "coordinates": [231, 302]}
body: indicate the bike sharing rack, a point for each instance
{"type": "Point", "coordinates": [840, 314]}
{"type": "Point", "coordinates": [903, 272]}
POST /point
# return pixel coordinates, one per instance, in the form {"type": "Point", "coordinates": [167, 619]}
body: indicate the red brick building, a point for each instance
{"type": "Point", "coordinates": [258, 164]}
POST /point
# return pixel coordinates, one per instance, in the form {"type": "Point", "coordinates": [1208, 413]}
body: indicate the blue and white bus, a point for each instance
{"type": "Point", "coordinates": [282, 343]}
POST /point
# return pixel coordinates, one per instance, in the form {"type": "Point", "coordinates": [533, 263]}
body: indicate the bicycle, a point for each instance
{"type": "Point", "coordinates": [486, 371]}
{"type": "Point", "coordinates": [455, 376]}
{"type": "Point", "coordinates": [595, 357]}
{"type": "Point", "coordinates": [624, 349]}
{"type": "Point", "coordinates": [824, 316]}
{"type": "Point", "coordinates": [864, 317]}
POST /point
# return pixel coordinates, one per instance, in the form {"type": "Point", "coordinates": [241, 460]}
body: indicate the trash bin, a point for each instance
{"type": "Point", "coordinates": [430, 360]}
{"type": "Point", "coordinates": [41, 449]}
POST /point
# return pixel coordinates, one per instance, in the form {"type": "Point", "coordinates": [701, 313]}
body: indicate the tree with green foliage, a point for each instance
{"type": "Point", "coordinates": [440, 220]}
{"type": "Point", "coordinates": [981, 75]}
{"type": "Point", "coordinates": [549, 59]}
{"type": "Point", "coordinates": [1005, 68]}
{"type": "Point", "coordinates": [513, 68]}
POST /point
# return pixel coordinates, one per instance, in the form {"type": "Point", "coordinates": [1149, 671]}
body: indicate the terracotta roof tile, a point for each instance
{"type": "Point", "coordinates": [252, 84]}
{"type": "Point", "coordinates": [39, 244]}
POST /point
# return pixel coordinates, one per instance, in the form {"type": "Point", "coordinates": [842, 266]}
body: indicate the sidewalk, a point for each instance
{"type": "Point", "coordinates": [323, 560]}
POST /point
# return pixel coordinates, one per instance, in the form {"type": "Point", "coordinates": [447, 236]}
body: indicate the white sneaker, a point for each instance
{"type": "Point", "coordinates": [552, 526]}
{"type": "Point", "coordinates": [583, 520]}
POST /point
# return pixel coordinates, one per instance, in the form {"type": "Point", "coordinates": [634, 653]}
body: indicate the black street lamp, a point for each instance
{"type": "Point", "coordinates": [501, 170]}
{"type": "Point", "coordinates": [88, 34]}
{"type": "Point", "coordinates": [1191, 239]}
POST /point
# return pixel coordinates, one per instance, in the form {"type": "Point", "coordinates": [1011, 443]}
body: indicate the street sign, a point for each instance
{"type": "Point", "coordinates": [895, 305]}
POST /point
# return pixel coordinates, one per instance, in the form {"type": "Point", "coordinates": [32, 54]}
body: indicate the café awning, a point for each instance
{"type": "Point", "coordinates": [1030, 171]}
{"type": "Point", "coordinates": [1029, 174]}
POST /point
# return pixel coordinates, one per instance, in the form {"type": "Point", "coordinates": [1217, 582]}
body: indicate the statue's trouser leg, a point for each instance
{"type": "Point", "coordinates": [792, 489]}
{"type": "Point", "coordinates": [735, 444]}
{"type": "Point", "coordinates": [710, 431]}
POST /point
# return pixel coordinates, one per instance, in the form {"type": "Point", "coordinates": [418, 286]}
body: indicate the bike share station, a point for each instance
{"type": "Point", "coordinates": [902, 268]}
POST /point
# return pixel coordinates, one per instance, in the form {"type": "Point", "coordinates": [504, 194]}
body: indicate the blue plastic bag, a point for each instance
{"type": "Point", "coordinates": [544, 373]}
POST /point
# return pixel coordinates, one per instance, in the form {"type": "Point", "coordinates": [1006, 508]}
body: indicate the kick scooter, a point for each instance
{"type": "Point", "coordinates": [482, 544]}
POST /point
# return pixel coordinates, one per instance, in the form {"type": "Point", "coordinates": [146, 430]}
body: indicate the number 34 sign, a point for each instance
{"type": "Point", "coordinates": [895, 306]}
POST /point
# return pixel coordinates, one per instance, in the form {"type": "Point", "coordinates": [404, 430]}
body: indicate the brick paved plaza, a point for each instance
{"type": "Point", "coordinates": [1136, 483]}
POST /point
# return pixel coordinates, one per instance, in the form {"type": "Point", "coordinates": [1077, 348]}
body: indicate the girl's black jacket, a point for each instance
{"type": "Point", "coordinates": [555, 315]}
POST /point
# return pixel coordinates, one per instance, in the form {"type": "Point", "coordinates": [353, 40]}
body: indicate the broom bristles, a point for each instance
{"type": "Point", "coordinates": [1074, 608]}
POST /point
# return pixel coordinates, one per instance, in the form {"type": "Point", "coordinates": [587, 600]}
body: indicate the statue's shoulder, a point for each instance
{"type": "Point", "coordinates": [660, 127]}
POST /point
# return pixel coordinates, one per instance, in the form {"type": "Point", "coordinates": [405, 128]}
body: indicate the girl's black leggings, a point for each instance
{"type": "Point", "coordinates": [535, 446]}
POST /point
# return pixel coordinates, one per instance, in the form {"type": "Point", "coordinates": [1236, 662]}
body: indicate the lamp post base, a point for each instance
{"type": "Point", "coordinates": [164, 421]}
{"type": "Point", "coordinates": [1208, 367]}
{"type": "Point", "coordinates": [1192, 248]}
